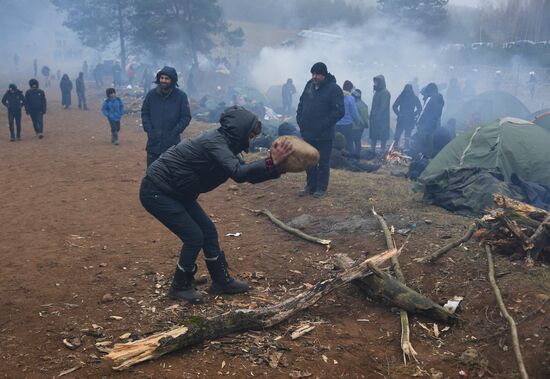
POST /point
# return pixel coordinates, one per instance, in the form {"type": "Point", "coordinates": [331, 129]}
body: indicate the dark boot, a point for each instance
{"type": "Point", "coordinates": [222, 282]}
{"type": "Point", "coordinates": [183, 287]}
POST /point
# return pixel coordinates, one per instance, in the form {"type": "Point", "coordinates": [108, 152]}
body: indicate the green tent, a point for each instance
{"type": "Point", "coordinates": [485, 108]}
{"type": "Point", "coordinates": [511, 145]}
{"type": "Point", "coordinates": [543, 120]}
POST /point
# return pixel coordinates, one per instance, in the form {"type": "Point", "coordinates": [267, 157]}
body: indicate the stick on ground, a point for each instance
{"type": "Point", "coordinates": [445, 249]}
{"type": "Point", "coordinates": [504, 311]}
{"type": "Point", "coordinates": [406, 345]}
{"type": "Point", "coordinates": [197, 329]}
{"type": "Point", "coordinates": [290, 229]}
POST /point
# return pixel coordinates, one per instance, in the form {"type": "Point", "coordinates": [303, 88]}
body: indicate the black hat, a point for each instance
{"type": "Point", "coordinates": [319, 68]}
{"type": "Point", "coordinates": [33, 82]}
{"type": "Point", "coordinates": [13, 87]}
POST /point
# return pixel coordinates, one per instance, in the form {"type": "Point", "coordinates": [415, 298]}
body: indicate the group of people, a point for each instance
{"type": "Point", "coordinates": [66, 87]}
{"type": "Point", "coordinates": [34, 103]}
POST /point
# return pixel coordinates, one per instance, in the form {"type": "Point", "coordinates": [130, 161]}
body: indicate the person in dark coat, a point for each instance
{"type": "Point", "coordinates": [14, 100]}
{"type": "Point", "coordinates": [407, 107]}
{"type": "Point", "coordinates": [117, 75]}
{"type": "Point", "coordinates": [46, 73]}
{"type": "Point", "coordinates": [428, 121]}
{"type": "Point", "coordinates": [35, 106]}
{"type": "Point", "coordinates": [379, 123]}
{"type": "Point", "coordinates": [146, 80]}
{"type": "Point", "coordinates": [81, 91]}
{"type": "Point", "coordinates": [321, 106]}
{"type": "Point", "coordinates": [66, 86]}
{"type": "Point", "coordinates": [165, 114]}
{"type": "Point", "coordinates": [174, 182]}
{"type": "Point", "coordinates": [287, 92]}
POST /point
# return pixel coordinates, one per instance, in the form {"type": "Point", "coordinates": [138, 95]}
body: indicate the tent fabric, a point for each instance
{"type": "Point", "coordinates": [543, 120]}
{"type": "Point", "coordinates": [510, 145]}
{"type": "Point", "coordinates": [485, 108]}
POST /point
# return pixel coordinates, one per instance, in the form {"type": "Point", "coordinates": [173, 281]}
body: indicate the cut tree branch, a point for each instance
{"type": "Point", "coordinates": [504, 311]}
{"type": "Point", "coordinates": [383, 287]}
{"type": "Point", "coordinates": [197, 329]}
{"type": "Point", "coordinates": [290, 229]}
{"type": "Point", "coordinates": [406, 345]}
{"type": "Point", "coordinates": [445, 249]}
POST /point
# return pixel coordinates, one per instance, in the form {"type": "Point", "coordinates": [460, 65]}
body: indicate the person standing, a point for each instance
{"type": "Point", "coordinates": [66, 86]}
{"type": "Point", "coordinates": [379, 123]}
{"type": "Point", "coordinates": [35, 67]}
{"type": "Point", "coordinates": [117, 75]}
{"type": "Point", "coordinates": [351, 116]}
{"type": "Point", "coordinates": [321, 106]}
{"type": "Point", "coordinates": [288, 91]}
{"type": "Point", "coordinates": [35, 106]}
{"type": "Point", "coordinates": [81, 91]}
{"type": "Point", "coordinates": [173, 183]}
{"type": "Point", "coordinates": [98, 75]}
{"type": "Point", "coordinates": [146, 79]}
{"type": "Point", "coordinates": [407, 107]}
{"type": "Point", "coordinates": [46, 73]}
{"type": "Point", "coordinates": [113, 109]}
{"type": "Point", "coordinates": [358, 128]}
{"type": "Point", "coordinates": [428, 121]}
{"type": "Point", "coordinates": [165, 114]}
{"type": "Point", "coordinates": [14, 100]}
{"type": "Point", "coordinates": [85, 69]}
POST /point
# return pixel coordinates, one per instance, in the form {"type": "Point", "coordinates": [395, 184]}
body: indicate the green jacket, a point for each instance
{"type": "Point", "coordinates": [363, 110]}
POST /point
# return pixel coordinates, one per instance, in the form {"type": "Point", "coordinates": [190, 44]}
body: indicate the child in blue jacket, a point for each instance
{"type": "Point", "coordinates": [113, 109]}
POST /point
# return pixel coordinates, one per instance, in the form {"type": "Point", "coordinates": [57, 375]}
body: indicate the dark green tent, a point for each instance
{"type": "Point", "coordinates": [543, 120]}
{"type": "Point", "coordinates": [485, 108]}
{"type": "Point", "coordinates": [509, 144]}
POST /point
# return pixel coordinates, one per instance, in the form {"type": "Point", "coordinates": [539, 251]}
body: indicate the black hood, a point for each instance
{"type": "Point", "coordinates": [236, 125]}
{"type": "Point", "coordinates": [430, 90]}
{"type": "Point", "coordinates": [170, 72]}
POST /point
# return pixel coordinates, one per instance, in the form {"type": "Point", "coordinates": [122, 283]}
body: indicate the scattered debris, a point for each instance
{"type": "Point", "coordinates": [72, 343]}
{"type": "Point", "coordinates": [301, 331]}
{"type": "Point", "coordinates": [63, 373]}
{"type": "Point", "coordinates": [107, 298]}
{"type": "Point", "coordinates": [452, 304]}
{"type": "Point", "coordinates": [238, 234]}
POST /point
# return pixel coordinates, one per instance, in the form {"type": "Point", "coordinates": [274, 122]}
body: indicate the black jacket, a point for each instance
{"type": "Point", "coordinates": [80, 86]}
{"type": "Point", "coordinates": [200, 164]}
{"type": "Point", "coordinates": [35, 101]}
{"type": "Point", "coordinates": [407, 107]}
{"type": "Point", "coordinates": [320, 109]}
{"type": "Point", "coordinates": [164, 118]}
{"type": "Point", "coordinates": [430, 118]}
{"type": "Point", "coordinates": [13, 100]}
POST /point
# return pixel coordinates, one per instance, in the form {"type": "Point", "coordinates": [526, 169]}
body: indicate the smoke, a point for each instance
{"type": "Point", "coordinates": [357, 54]}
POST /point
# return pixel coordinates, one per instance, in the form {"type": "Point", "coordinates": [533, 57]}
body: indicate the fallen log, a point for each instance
{"type": "Point", "coordinates": [406, 345]}
{"type": "Point", "coordinates": [290, 229]}
{"type": "Point", "coordinates": [504, 312]}
{"type": "Point", "coordinates": [198, 329]}
{"type": "Point", "coordinates": [540, 239]}
{"type": "Point", "coordinates": [520, 207]}
{"type": "Point", "coordinates": [382, 287]}
{"type": "Point", "coordinates": [445, 249]}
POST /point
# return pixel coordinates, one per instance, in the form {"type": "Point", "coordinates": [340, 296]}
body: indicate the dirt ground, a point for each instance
{"type": "Point", "coordinates": [73, 230]}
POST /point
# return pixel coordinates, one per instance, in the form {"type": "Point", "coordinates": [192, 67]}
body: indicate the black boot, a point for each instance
{"type": "Point", "coordinates": [222, 282]}
{"type": "Point", "coordinates": [183, 287]}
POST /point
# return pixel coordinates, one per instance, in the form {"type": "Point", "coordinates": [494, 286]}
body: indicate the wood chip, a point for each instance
{"type": "Point", "coordinates": [62, 373]}
{"type": "Point", "coordinates": [274, 359]}
{"type": "Point", "coordinates": [301, 331]}
{"type": "Point", "coordinates": [104, 343]}
{"type": "Point", "coordinates": [325, 358]}
{"type": "Point", "coordinates": [125, 336]}
{"type": "Point", "coordinates": [116, 317]}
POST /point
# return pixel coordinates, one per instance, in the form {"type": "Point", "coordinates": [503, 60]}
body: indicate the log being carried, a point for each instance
{"type": "Point", "coordinates": [197, 165]}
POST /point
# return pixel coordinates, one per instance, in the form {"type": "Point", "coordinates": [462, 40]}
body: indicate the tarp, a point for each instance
{"type": "Point", "coordinates": [485, 108]}
{"type": "Point", "coordinates": [543, 120]}
{"type": "Point", "coordinates": [508, 144]}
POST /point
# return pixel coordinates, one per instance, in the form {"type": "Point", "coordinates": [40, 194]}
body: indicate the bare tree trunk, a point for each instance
{"type": "Point", "coordinates": [121, 36]}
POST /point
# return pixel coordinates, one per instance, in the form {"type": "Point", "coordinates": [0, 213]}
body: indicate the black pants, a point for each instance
{"type": "Point", "coordinates": [399, 130]}
{"type": "Point", "coordinates": [14, 115]}
{"type": "Point", "coordinates": [356, 135]}
{"type": "Point", "coordinates": [318, 176]}
{"type": "Point", "coordinates": [151, 157]}
{"type": "Point", "coordinates": [115, 126]}
{"type": "Point", "coordinates": [81, 100]}
{"type": "Point", "coordinates": [346, 131]}
{"type": "Point", "coordinates": [287, 106]}
{"type": "Point", "coordinates": [37, 118]}
{"type": "Point", "coordinates": [186, 219]}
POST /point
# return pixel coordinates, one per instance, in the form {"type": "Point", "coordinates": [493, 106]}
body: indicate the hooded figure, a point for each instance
{"type": "Point", "coordinates": [66, 86]}
{"type": "Point", "coordinates": [35, 106]}
{"type": "Point", "coordinates": [407, 107]}
{"type": "Point", "coordinates": [379, 125]}
{"type": "Point", "coordinates": [351, 116]}
{"type": "Point", "coordinates": [429, 120]}
{"type": "Point", "coordinates": [14, 100]}
{"type": "Point", "coordinates": [165, 114]}
{"type": "Point", "coordinates": [175, 180]}
{"type": "Point", "coordinates": [321, 106]}
{"type": "Point", "coordinates": [81, 92]}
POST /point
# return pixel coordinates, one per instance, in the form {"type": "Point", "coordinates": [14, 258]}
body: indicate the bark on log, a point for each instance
{"type": "Point", "coordinates": [382, 287]}
{"type": "Point", "coordinates": [526, 210]}
{"type": "Point", "coordinates": [445, 249]}
{"type": "Point", "coordinates": [540, 239]}
{"type": "Point", "coordinates": [290, 229]}
{"type": "Point", "coordinates": [198, 329]}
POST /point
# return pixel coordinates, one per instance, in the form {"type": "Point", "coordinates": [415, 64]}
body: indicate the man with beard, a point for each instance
{"type": "Point", "coordinates": [165, 114]}
{"type": "Point", "coordinates": [321, 106]}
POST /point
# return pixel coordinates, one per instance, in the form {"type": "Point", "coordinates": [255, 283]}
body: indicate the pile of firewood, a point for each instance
{"type": "Point", "coordinates": [516, 228]}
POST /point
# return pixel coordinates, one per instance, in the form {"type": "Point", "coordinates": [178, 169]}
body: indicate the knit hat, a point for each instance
{"type": "Point", "coordinates": [348, 86]}
{"type": "Point", "coordinates": [33, 82]}
{"type": "Point", "coordinates": [13, 87]}
{"type": "Point", "coordinates": [319, 68]}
